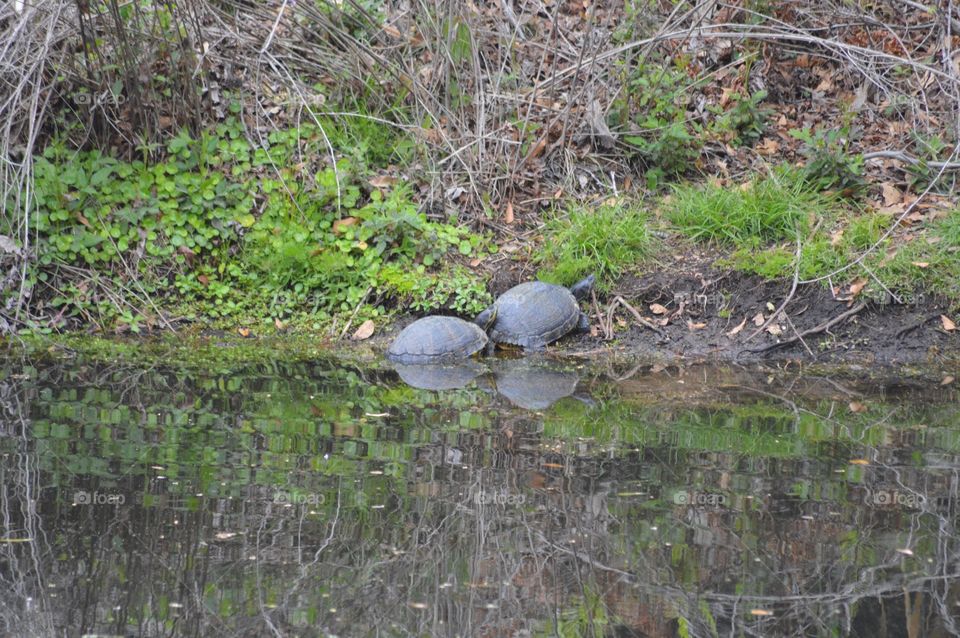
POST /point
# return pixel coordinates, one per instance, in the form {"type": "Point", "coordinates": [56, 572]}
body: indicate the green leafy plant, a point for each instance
{"type": "Point", "coordinates": [653, 111]}
{"type": "Point", "coordinates": [747, 117]}
{"type": "Point", "coordinates": [830, 164]}
{"type": "Point", "coordinates": [222, 229]}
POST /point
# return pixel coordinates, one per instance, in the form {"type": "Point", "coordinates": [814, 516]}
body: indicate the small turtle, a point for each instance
{"type": "Point", "coordinates": [437, 339]}
{"type": "Point", "coordinates": [535, 313]}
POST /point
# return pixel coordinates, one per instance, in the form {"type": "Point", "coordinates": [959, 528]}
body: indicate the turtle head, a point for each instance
{"type": "Point", "coordinates": [486, 318]}
{"type": "Point", "coordinates": [583, 287]}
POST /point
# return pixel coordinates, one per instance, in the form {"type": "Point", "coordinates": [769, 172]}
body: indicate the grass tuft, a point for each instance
{"type": "Point", "coordinates": [606, 241]}
{"type": "Point", "coordinates": [772, 208]}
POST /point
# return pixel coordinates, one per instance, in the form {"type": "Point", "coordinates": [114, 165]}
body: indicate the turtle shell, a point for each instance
{"type": "Point", "coordinates": [533, 314]}
{"type": "Point", "coordinates": [436, 339]}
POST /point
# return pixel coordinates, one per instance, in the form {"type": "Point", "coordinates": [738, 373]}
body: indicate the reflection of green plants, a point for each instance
{"type": "Point", "coordinates": [606, 242]}
{"type": "Point", "coordinates": [830, 164]}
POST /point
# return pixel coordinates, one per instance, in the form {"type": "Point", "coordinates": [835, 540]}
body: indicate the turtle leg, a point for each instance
{"type": "Point", "coordinates": [536, 346]}
{"type": "Point", "coordinates": [491, 348]}
{"type": "Point", "coordinates": [584, 324]}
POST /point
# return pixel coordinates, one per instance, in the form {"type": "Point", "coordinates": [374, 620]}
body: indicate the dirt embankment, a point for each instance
{"type": "Point", "coordinates": [691, 310]}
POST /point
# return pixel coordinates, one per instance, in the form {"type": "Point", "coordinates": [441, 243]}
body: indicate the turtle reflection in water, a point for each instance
{"type": "Point", "coordinates": [535, 385]}
{"type": "Point", "coordinates": [439, 376]}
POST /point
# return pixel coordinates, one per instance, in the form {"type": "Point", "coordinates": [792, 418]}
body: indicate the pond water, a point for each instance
{"type": "Point", "coordinates": [522, 499]}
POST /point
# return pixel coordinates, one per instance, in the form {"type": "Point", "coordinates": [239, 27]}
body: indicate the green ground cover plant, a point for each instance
{"type": "Point", "coordinates": [223, 229]}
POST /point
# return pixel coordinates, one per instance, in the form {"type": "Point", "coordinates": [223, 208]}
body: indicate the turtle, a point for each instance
{"type": "Point", "coordinates": [437, 339]}
{"type": "Point", "coordinates": [534, 314]}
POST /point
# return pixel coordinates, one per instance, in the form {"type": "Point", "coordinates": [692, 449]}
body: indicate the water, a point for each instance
{"type": "Point", "coordinates": [315, 500]}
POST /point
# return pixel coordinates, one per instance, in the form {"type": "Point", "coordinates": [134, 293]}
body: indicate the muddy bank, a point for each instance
{"type": "Point", "coordinates": [692, 311]}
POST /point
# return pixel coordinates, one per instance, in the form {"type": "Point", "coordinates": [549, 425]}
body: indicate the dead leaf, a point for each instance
{"type": "Point", "coordinates": [340, 224]}
{"type": "Point", "coordinates": [856, 406]}
{"type": "Point", "coordinates": [771, 307]}
{"type": "Point", "coordinates": [857, 286]}
{"type": "Point", "coordinates": [948, 323]}
{"type": "Point", "coordinates": [278, 323]}
{"type": "Point", "coordinates": [474, 263]}
{"type": "Point", "coordinates": [383, 181]}
{"type": "Point", "coordinates": [891, 195]}
{"type": "Point", "coordinates": [695, 326]}
{"type": "Point", "coordinates": [836, 237]}
{"type": "Point", "coordinates": [775, 330]}
{"type": "Point", "coordinates": [392, 31]}
{"type": "Point", "coordinates": [947, 380]}
{"type": "Point", "coordinates": [920, 264]}
{"type": "Point", "coordinates": [768, 146]}
{"type": "Point", "coordinates": [737, 329]}
{"type": "Point", "coordinates": [758, 319]}
{"type": "Point", "coordinates": [203, 279]}
{"type": "Point", "coordinates": [657, 309]}
{"type": "Point", "coordinates": [859, 462]}
{"type": "Point", "coordinates": [365, 331]}
{"type": "Point", "coordinates": [761, 612]}
{"type": "Point", "coordinates": [244, 332]}
{"type": "Point", "coordinates": [508, 214]}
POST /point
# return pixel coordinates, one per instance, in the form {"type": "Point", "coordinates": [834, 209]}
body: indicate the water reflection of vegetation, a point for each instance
{"type": "Point", "coordinates": [275, 493]}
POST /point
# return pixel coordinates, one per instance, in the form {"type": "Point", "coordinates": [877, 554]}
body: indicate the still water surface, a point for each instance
{"type": "Point", "coordinates": [316, 499]}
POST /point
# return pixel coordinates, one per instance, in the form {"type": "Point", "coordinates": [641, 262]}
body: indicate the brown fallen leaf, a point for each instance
{"type": "Point", "coordinates": [365, 331]}
{"type": "Point", "coordinates": [758, 319]}
{"type": "Point", "coordinates": [891, 195]}
{"type": "Point", "coordinates": [921, 264]}
{"type": "Point", "coordinates": [244, 332]}
{"type": "Point", "coordinates": [857, 286]}
{"type": "Point", "coordinates": [340, 224]}
{"type": "Point", "coordinates": [735, 331]}
{"type": "Point", "coordinates": [947, 380]}
{"type": "Point", "coordinates": [948, 323]}
{"type": "Point", "coordinates": [695, 326]}
{"type": "Point", "coordinates": [775, 330]}
{"type": "Point", "coordinates": [657, 309]}
{"type": "Point", "coordinates": [836, 237]}
{"type": "Point", "coordinates": [769, 146]}
{"type": "Point", "coordinates": [856, 406]}
{"type": "Point", "coordinates": [278, 324]}
{"type": "Point", "coordinates": [859, 462]}
{"type": "Point", "coordinates": [508, 214]}
{"type": "Point", "coordinates": [383, 181]}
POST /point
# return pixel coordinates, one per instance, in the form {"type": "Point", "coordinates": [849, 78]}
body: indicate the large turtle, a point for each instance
{"type": "Point", "coordinates": [436, 340]}
{"type": "Point", "coordinates": [535, 313]}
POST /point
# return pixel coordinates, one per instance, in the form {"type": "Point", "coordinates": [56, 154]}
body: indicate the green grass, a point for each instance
{"type": "Point", "coordinates": [771, 208]}
{"type": "Point", "coordinates": [607, 242]}
{"type": "Point", "coordinates": [929, 264]}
